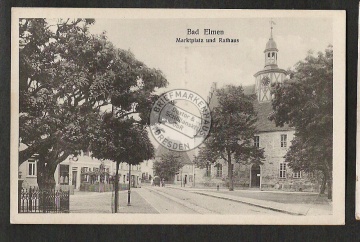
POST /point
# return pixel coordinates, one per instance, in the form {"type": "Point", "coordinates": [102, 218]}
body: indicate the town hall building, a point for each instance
{"type": "Point", "coordinates": [274, 173]}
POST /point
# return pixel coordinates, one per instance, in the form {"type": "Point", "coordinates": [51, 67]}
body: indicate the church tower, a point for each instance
{"type": "Point", "coordinates": [271, 72]}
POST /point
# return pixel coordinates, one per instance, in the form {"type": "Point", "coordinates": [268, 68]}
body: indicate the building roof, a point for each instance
{"type": "Point", "coordinates": [263, 110]}
{"type": "Point", "coordinates": [271, 45]}
{"type": "Point", "coordinates": [263, 123]}
{"type": "Point", "coordinates": [184, 156]}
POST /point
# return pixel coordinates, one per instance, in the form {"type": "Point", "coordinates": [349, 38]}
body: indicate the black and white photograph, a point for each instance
{"type": "Point", "coordinates": [159, 116]}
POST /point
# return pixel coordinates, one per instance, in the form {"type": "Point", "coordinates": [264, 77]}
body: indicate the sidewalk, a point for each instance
{"type": "Point", "coordinates": [95, 202]}
{"type": "Point", "coordinates": [267, 199]}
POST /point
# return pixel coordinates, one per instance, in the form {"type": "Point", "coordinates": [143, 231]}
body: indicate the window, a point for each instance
{"type": "Point", "coordinates": [85, 178]}
{"type": "Point", "coordinates": [218, 170]}
{"type": "Point", "coordinates": [31, 168]}
{"type": "Point", "coordinates": [282, 170]}
{"type": "Point", "coordinates": [297, 174]}
{"type": "Point", "coordinates": [208, 169]}
{"type": "Point", "coordinates": [283, 142]}
{"type": "Point", "coordinates": [256, 141]}
{"type": "Point", "coordinates": [63, 175]}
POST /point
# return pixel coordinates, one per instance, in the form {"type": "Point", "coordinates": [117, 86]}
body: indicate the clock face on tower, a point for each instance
{"type": "Point", "coordinates": [265, 81]}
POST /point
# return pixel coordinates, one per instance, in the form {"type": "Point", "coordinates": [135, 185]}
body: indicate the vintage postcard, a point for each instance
{"type": "Point", "coordinates": [160, 116]}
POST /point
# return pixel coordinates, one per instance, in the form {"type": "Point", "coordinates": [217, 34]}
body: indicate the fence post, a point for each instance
{"type": "Point", "coordinates": [42, 200]}
{"type": "Point", "coordinates": [27, 199]}
{"type": "Point", "coordinates": [30, 199]}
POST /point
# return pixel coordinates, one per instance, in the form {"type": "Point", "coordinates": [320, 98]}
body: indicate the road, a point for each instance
{"type": "Point", "coordinates": [168, 200]}
{"type": "Point", "coordinates": [163, 200]}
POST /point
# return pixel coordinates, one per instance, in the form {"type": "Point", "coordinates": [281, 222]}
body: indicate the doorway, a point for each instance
{"type": "Point", "coordinates": [255, 176]}
{"type": "Point", "coordinates": [74, 176]}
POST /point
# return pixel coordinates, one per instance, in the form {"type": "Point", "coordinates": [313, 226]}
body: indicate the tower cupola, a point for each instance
{"type": "Point", "coordinates": [271, 52]}
{"type": "Point", "coordinates": [271, 72]}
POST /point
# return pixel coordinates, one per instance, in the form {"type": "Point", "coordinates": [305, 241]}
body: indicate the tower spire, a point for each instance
{"type": "Point", "coordinates": [271, 27]}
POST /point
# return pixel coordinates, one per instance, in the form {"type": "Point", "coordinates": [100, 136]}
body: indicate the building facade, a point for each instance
{"type": "Point", "coordinates": [82, 173]}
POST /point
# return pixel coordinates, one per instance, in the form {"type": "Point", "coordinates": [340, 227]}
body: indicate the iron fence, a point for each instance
{"type": "Point", "coordinates": [34, 200]}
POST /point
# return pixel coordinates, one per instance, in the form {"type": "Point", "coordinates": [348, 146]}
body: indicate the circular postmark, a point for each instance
{"type": "Point", "coordinates": [180, 120]}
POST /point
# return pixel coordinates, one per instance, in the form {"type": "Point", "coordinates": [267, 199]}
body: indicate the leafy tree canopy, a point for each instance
{"type": "Point", "coordinates": [232, 131]}
{"type": "Point", "coordinates": [122, 141]}
{"type": "Point", "coordinates": [305, 102]}
{"type": "Point", "coordinates": [67, 78]}
{"type": "Point", "coordinates": [169, 164]}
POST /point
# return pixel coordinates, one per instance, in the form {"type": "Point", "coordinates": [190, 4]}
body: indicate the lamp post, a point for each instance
{"type": "Point", "coordinates": [181, 181]}
{"type": "Point", "coordinates": [129, 191]}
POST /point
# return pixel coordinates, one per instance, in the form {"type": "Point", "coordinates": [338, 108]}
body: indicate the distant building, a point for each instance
{"type": "Point", "coordinates": [78, 173]}
{"type": "Point", "coordinates": [147, 172]}
{"type": "Point", "coordinates": [275, 172]}
{"type": "Point", "coordinates": [124, 174]}
{"type": "Point", "coordinates": [186, 174]}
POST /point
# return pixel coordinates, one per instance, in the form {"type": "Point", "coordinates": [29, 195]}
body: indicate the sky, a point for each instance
{"type": "Point", "coordinates": [196, 66]}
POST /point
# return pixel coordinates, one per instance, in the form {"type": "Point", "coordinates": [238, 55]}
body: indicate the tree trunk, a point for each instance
{"type": "Point", "coordinates": [45, 175]}
{"type": "Point", "coordinates": [116, 182]}
{"type": "Point", "coordinates": [230, 173]}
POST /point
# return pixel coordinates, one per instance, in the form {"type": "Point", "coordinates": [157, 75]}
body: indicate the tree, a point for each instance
{"type": "Point", "coordinates": [232, 132]}
{"type": "Point", "coordinates": [51, 86]}
{"type": "Point", "coordinates": [121, 140]}
{"type": "Point", "coordinates": [170, 163]}
{"type": "Point", "coordinates": [67, 78]}
{"type": "Point", "coordinates": [305, 102]}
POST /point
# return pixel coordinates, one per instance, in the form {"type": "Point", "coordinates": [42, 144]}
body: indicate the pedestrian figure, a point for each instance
{"type": "Point", "coordinates": [163, 182]}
